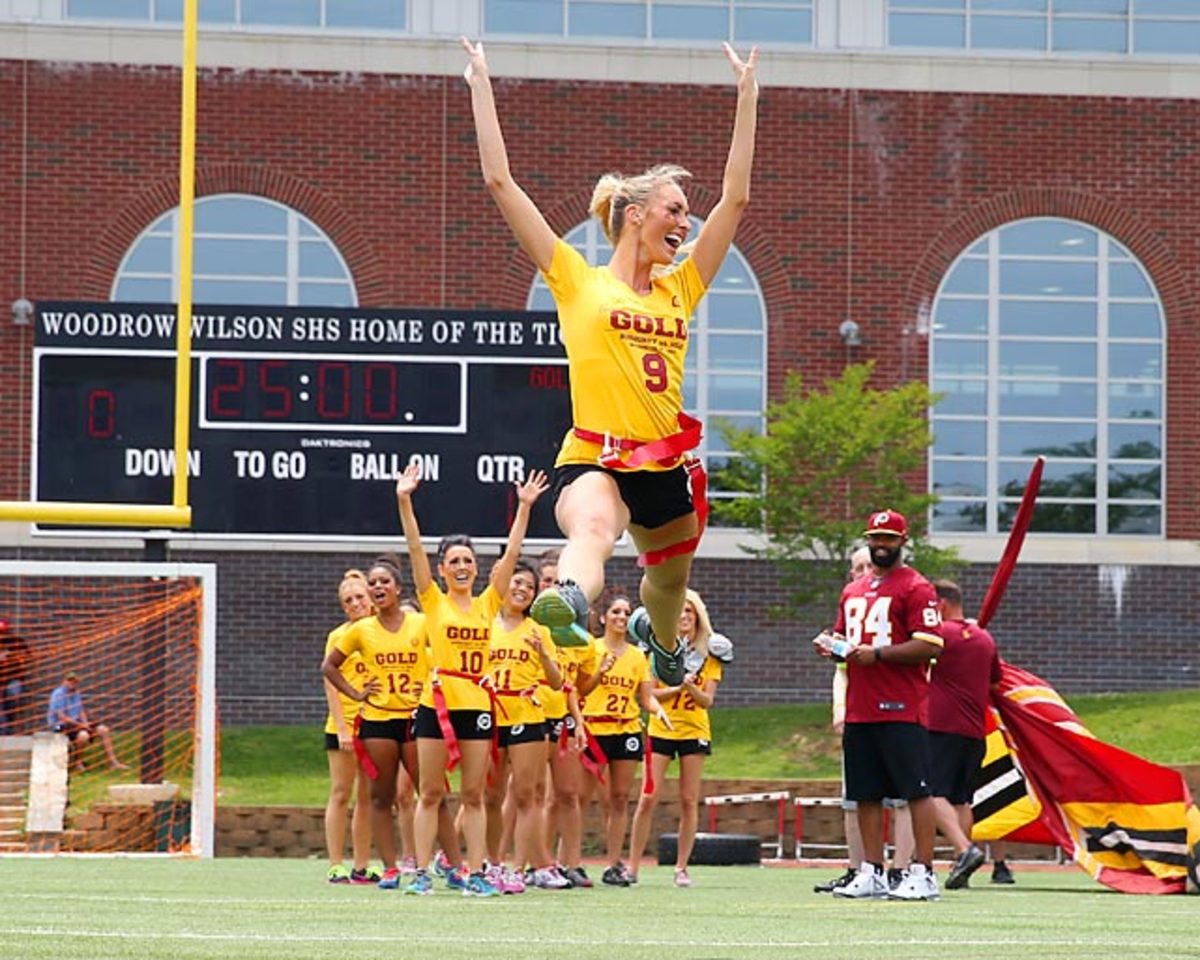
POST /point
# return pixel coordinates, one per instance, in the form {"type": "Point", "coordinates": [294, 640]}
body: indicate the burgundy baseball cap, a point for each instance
{"type": "Point", "coordinates": [887, 521]}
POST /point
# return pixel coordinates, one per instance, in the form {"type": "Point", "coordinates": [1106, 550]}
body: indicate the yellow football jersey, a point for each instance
{"type": "Point", "coordinates": [355, 672]}
{"type": "Point", "coordinates": [572, 661]}
{"type": "Point", "coordinates": [617, 693]}
{"type": "Point", "coordinates": [459, 641]}
{"type": "Point", "coordinates": [398, 659]}
{"type": "Point", "coordinates": [515, 665]}
{"type": "Point", "coordinates": [625, 351]}
{"type": "Point", "coordinates": [688, 718]}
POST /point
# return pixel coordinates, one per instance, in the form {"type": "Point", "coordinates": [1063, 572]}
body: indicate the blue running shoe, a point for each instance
{"type": "Point", "coordinates": [564, 609]}
{"type": "Point", "coordinates": [442, 865]}
{"type": "Point", "coordinates": [478, 885]}
{"type": "Point", "coordinates": [390, 879]}
{"type": "Point", "coordinates": [667, 664]}
{"type": "Point", "coordinates": [420, 885]}
{"type": "Point", "coordinates": [457, 879]}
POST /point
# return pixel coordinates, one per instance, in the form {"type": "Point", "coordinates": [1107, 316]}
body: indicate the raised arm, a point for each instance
{"type": "Point", "coordinates": [527, 493]}
{"type": "Point", "coordinates": [406, 485]}
{"type": "Point", "coordinates": [717, 233]}
{"type": "Point", "coordinates": [528, 225]}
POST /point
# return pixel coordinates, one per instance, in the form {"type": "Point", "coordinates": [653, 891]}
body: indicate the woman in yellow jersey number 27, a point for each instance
{"type": "Point", "coordinates": [454, 721]}
{"type": "Point", "coordinates": [625, 329]}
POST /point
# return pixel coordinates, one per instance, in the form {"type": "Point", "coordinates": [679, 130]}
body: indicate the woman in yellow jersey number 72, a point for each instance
{"type": "Point", "coordinates": [454, 720]}
{"type": "Point", "coordinates": [689, 737]}
{"type": "Point", "coordinates": [625, 329]}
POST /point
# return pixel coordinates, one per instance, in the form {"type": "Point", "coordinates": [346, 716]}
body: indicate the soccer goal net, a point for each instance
{"type": "Point", "coordinates": [108, 742]}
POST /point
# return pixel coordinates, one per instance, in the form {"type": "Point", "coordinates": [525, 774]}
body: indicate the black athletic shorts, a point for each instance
{"type": "Point", "coordinates": [400, 730]}
{"type": "Point", "coordinates": [521, 733]}
{"type": "Point", "coordinates": [619, 746]}
{"type": "Point", "coordinates": [331, 742]}
{"type": "Point", "coordinates": [554, 728]}
{"type": "Point", "coordinates": [654, 497]}
{"type": "Point", "coordinates": [467, 724]}
{"type": "Point", "coordinates": [955, 761]}
{"type": "Point", "coordinates": [886, 760]}
{"type": "Point", "coordinates": [680, 748]}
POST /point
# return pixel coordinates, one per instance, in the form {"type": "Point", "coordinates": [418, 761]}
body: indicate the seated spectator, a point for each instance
{"type": "Point", "coordinates": [67, 715]}
{"type": "Point", "coordinates": [14, 680]}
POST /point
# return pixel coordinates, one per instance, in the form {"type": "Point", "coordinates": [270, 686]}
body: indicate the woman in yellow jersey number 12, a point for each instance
{"type": "Point", "coordinates": [625, 329]}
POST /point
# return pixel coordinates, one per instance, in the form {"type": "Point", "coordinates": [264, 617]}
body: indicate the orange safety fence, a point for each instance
{"type": "Point", "coordinates": [129, 647]}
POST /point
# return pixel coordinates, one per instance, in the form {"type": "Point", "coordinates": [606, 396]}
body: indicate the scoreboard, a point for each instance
{"type": "Point", "coordinates": [301, 416]}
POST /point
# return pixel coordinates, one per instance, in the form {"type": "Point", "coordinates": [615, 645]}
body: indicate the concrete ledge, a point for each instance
{"type": "Point", "coordinates": [143, 794]}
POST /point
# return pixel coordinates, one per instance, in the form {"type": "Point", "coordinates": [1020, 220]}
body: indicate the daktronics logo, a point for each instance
{"type": "Point", "coordinates": [672, 327]}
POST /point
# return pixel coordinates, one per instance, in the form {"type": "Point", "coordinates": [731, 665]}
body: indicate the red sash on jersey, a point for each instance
{"type": "Point", "coordinates": [360, 752]}
{"type": "Point", "coordinates": [666, 451]}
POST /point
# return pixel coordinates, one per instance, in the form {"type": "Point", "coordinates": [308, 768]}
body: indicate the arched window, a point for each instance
{"type": "Point", "coordinates": [725, 373]}
{"type": "Point", "coordinates": [1048, 339]}
{"type": "Point", "coordinates": [246, 250]}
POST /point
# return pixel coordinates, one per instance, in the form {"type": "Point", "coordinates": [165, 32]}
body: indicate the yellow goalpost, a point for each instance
{"type": "Point", "coordinates": [179, 512]}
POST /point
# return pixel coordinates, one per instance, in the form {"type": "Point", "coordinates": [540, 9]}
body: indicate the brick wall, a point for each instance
{"type": "Point", "coordinates": [861, 198]}
{"type": "Point", "coordinates": [861, 201]}
{"type": "Point", "coordinates": [1084, 628]}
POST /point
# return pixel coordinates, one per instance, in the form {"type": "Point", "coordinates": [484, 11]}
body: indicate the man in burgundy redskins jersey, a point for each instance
{"type": "Point", "coordinates": [959, 695]}
{"type": "Point", "coordinates": [890, 619]}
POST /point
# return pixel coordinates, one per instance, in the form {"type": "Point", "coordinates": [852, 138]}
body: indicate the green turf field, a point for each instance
{"type": "Point", "coordinates": [64, 909]}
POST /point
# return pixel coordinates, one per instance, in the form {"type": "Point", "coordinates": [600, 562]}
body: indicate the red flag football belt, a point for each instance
{"type": "Point", "coordinates": [360, 752]}
{"type": "Point", "coordinates": [453, 751]}
{"type": "Point", "coordinates": [665, 451]}
{"type": "Point", "coordinates": [594, 745]}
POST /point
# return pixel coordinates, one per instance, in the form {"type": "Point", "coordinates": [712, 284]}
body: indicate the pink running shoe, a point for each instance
{"type": "Point", "coordinates": [510, 882]}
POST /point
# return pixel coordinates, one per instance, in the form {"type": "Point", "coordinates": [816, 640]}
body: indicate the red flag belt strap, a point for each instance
{"type": "Point", "coordinates": [453, 751]}
{"type": "Point", "coordinates": [666, 451]}
{"type": "Point", "coordinates": [360, 752]}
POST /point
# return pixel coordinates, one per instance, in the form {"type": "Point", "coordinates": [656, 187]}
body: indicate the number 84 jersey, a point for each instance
{"type": "Point", "coordinates": [883, 611]}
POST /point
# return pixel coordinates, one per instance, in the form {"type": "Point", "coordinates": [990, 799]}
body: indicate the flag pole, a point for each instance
{"type": "Point", "coordinates": [1016, 538]}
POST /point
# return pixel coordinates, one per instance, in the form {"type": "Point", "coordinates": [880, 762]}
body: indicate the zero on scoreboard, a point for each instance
{"type": "Point", "coordinates": [301, 417]}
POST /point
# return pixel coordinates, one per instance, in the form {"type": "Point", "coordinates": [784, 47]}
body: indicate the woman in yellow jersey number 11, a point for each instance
{"type": "Point", "coordinates": [625, 329]}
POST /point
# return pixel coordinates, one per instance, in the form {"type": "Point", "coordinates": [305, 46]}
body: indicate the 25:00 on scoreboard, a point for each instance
{"type": "Point", "coordinates": [301, 416]}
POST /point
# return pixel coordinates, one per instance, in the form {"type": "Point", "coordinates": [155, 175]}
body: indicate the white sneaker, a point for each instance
{"type": "Point", "coordinates": [868, 884]}
{"type": "Point", "coordinates": [548, 878]}
{"type": "Point", "coordinates": [918, 884]}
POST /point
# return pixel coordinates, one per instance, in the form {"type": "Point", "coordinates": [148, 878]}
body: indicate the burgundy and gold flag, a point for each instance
{"type": "Point", "coordinates": [1131, 824]}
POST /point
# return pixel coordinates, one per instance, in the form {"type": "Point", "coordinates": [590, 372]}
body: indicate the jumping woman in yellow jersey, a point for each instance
{"type": "Point", "coordinates": [455, 718]}
{"type": "Point", "coordinates": [614, 698]}
{"type": "Point", "coordinates": [625, 329]}
{"type": "Point", "coordinates": [339, 741]}
{"type": "Point", "coordinates": [522, 667]}
{"type": "Point", "coordinates": [392, 646]}
{"type": "Point", "coordinates": [689, 738]}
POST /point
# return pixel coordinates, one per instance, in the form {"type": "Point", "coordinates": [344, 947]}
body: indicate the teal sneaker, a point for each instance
{"type": "Point", "coordinates": [477, 885]}
{"type": "Point", "coordinates": [564, 609]}
{"type": "Point", "coordinates": [667, 664]}
{"type": "Point", "coordinates": [421, 885]}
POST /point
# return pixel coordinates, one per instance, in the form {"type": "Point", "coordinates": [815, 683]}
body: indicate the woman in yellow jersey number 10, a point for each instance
{"type": "Point", "coordinates": [455, 719]}
{"type": "Point", "coordinates": [625, 329]}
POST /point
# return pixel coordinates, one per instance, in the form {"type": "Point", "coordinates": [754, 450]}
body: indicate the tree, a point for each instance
{"type": "Point", "coordinates": [832, 455]}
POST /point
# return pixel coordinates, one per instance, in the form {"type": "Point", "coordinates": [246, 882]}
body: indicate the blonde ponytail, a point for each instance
{"type": "Point", "coordinates": [615, 191]}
